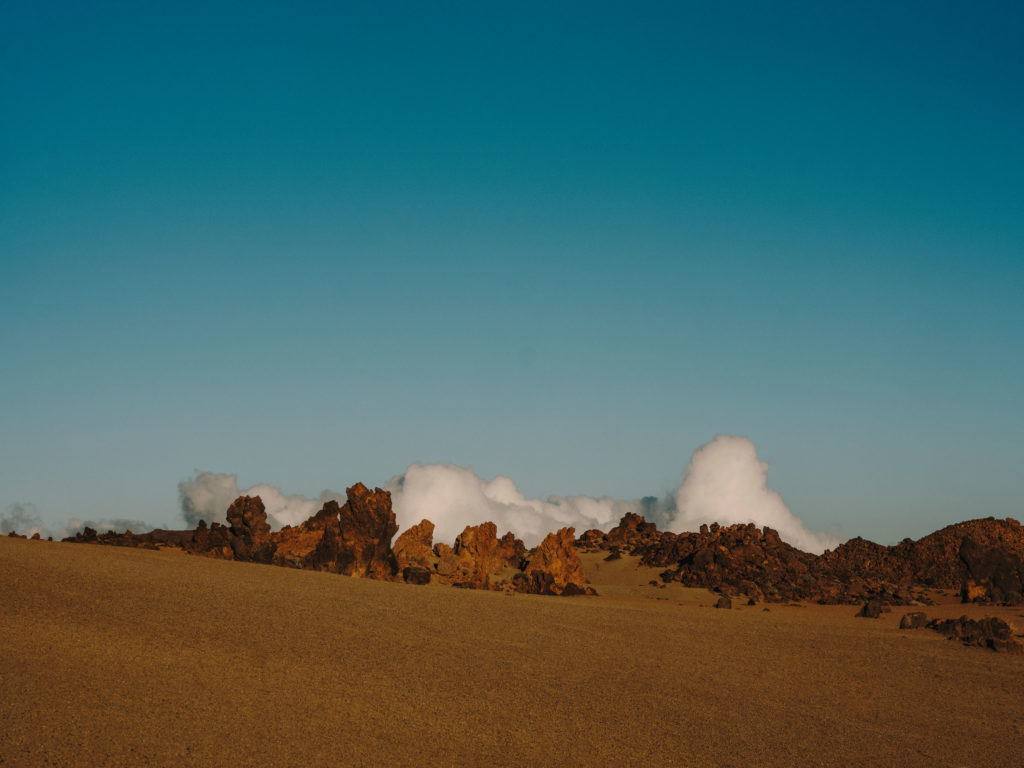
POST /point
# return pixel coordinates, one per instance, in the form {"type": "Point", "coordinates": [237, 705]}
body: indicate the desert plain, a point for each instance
{"type": "Point", "coordinates": [128, 657]}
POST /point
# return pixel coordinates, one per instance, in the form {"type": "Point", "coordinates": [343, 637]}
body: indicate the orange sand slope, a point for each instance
{"type": "Point", "coordinates": [129, 657]}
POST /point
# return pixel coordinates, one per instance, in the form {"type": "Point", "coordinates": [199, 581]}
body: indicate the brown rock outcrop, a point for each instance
{"type": "Point", "coordinates": [366, 526]}
{"type": "Point", "coordinates": [250, 532]}
{"type": "Point", "coordinates": [512, 551]}
{"type": "Point", "coordinates": [412, 547]}
{"type": "Point", "coordinates": [734, 560]}
{"type": "Point", "coordinates": [554, 568]}
{"type": "Point", "coordinates": [312, 544]}
{"type": "Point", "coordinates": [994, 574]}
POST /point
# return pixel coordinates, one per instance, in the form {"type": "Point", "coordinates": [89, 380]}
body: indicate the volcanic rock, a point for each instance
{"type": "Point", "coordinates": [415, 574]}
{"type": "Point", "coordinates": [870, 610]}
{"type": "Point", "coordinates": [994, 574]}
{"type": "Point", "coordinates": [914, 620]}
{"type": "Point", "coordinates": [988, 632]}
{"type": "Point", "coordinates": [366, 527]}
{"type": "Point", "coordinates": [412, 547]}
{"type": "Point", "coordinates": [512, 551]}
{"type": "Point", "coordinates": [250, 532]}
{"type": "Point", "coordinates": [723, 602]}
{"type": "Point", "coordinates": [554, 565]}
{"type": "Point", "coordinates": [312, 544]}
{"type": "Point", "coordinates": [737, 559]}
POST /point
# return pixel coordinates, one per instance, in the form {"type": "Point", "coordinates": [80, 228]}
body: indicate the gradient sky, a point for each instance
{"type": "Point", "coordinates": [567, 243]}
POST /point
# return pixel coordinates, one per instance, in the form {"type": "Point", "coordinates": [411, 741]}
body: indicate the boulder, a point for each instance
{"type": "Point", "coordinates": [913, 620]}
{"type": "Point", "coordinates": [412, 547]}
{"type": "Point", "coordinates": [553, 566]}
{"type": "Point", "coordinates": [988, 632]}
{"type": "Point", "coordinates": [870, 610]}
{"type": "Point", "coordinates": [415, 574]}
{"type": "Point", "coordinates": [250, 533]}
{"type": "Point", "coordinates": [723, 602]}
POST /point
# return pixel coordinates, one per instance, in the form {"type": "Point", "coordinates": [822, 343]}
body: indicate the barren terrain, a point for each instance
{"type": "Point", "coordinates": [126, 657]}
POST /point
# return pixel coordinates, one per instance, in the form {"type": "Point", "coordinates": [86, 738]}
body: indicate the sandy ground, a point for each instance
{"type": "Point", "coordinates": [117, 657]}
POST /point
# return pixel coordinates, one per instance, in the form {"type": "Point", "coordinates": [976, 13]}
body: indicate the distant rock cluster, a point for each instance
{"type": "Point", "coordinates": [989, 632]}
{"type": "Point", "coordinates": [982, 559]}
{"type": "Point", "coordinates": [355, 539]}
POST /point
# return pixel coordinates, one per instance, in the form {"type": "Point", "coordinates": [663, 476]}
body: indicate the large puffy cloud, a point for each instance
{"type": "Point", "coordinates": [727, 483]}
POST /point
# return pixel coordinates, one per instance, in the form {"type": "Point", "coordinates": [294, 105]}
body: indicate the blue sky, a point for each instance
{"type": "Point", "coordinates": [311, 245]}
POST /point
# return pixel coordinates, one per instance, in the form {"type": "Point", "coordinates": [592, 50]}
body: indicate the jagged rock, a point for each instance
{"type": "Point", "coordinates": [738, 559]}
{"type": "Point", "coordinates": [447, 561]}
{"type": "Point", "coordinates": [415, 574]}
{"type": "Point", "coordinates": [591, 540]}
{"type": "Point", "coordinates": [413, 546]}
{"type": "Point", "coordinates": [250, 532]}
{"type": "Point", "coordinates": [367, 525]}
{"type": "Point", "coordinates": [913, 620]}
{"type": "Point", "coordinates": [15, 535]}
{"type": "Point", "coordinates": [723, 602]}
{"type": "Point", "coordinates": [477, 550]}
{"type": "Point", "coordinates": [632, 531]}
{"type": "Point", "coordinates": [312, 544]}
{"type": "Point", "coordinates": [478, 556]}
{"type": "Point", "coordinates": [988, 632]}
{"type": "Point", "coordinates": [512, 551]}
{"type": "Point", "coordinates": [553, 566]}
{"type": "Point", "coordinates": [867, 570]}
{"type": "Point", "coordinates": [870, 610]}
{"type": "Point", "coordinates": [213, 541]}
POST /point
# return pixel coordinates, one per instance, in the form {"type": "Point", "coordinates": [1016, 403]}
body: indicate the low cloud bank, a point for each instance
{"type": "Point", "coordinates": [725, 482]}
{"type": "Point", "coordinates": [24, 519]}
{"type": "Point", "coordinates": [453, 497]}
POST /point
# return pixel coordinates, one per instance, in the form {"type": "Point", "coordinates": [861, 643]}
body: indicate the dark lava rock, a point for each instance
{"type": "Point", "coordinates": [415, 574]}
{"type": "Point", "coordinates": [723, 602]}
{"type": "Point", "coordinates": [870, 610]}
{"type": "Point", "coordinates": [914, 620]}
{"type": "Point", "coordinates": [988, 632]}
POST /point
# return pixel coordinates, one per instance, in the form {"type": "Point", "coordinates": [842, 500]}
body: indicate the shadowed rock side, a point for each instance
{"type": "Point", "coordinates": [982, 558]}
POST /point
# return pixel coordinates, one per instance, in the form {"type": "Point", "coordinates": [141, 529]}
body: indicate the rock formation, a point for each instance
{"type": "Point", "coordinates": [412, 547]}
{"type": "Point", "coordinates": [250, 532]}
{"type": "Point", "coordinates": [913, 620]}
{"type": "Point", "coordinates": [988, 632]}
{"type": "Point", "coordinates": [554, 568]}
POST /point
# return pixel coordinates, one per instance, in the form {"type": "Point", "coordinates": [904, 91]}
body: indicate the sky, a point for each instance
{"type": "Point", "coordinates": [566, 243]}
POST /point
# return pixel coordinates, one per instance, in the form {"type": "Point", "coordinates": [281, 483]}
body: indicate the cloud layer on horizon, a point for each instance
{"type": "Point", "coordinates": [724, 482]}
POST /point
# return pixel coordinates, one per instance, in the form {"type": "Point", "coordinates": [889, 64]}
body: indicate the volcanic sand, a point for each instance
{"type": "Point", "coordinates": [127, 657]}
